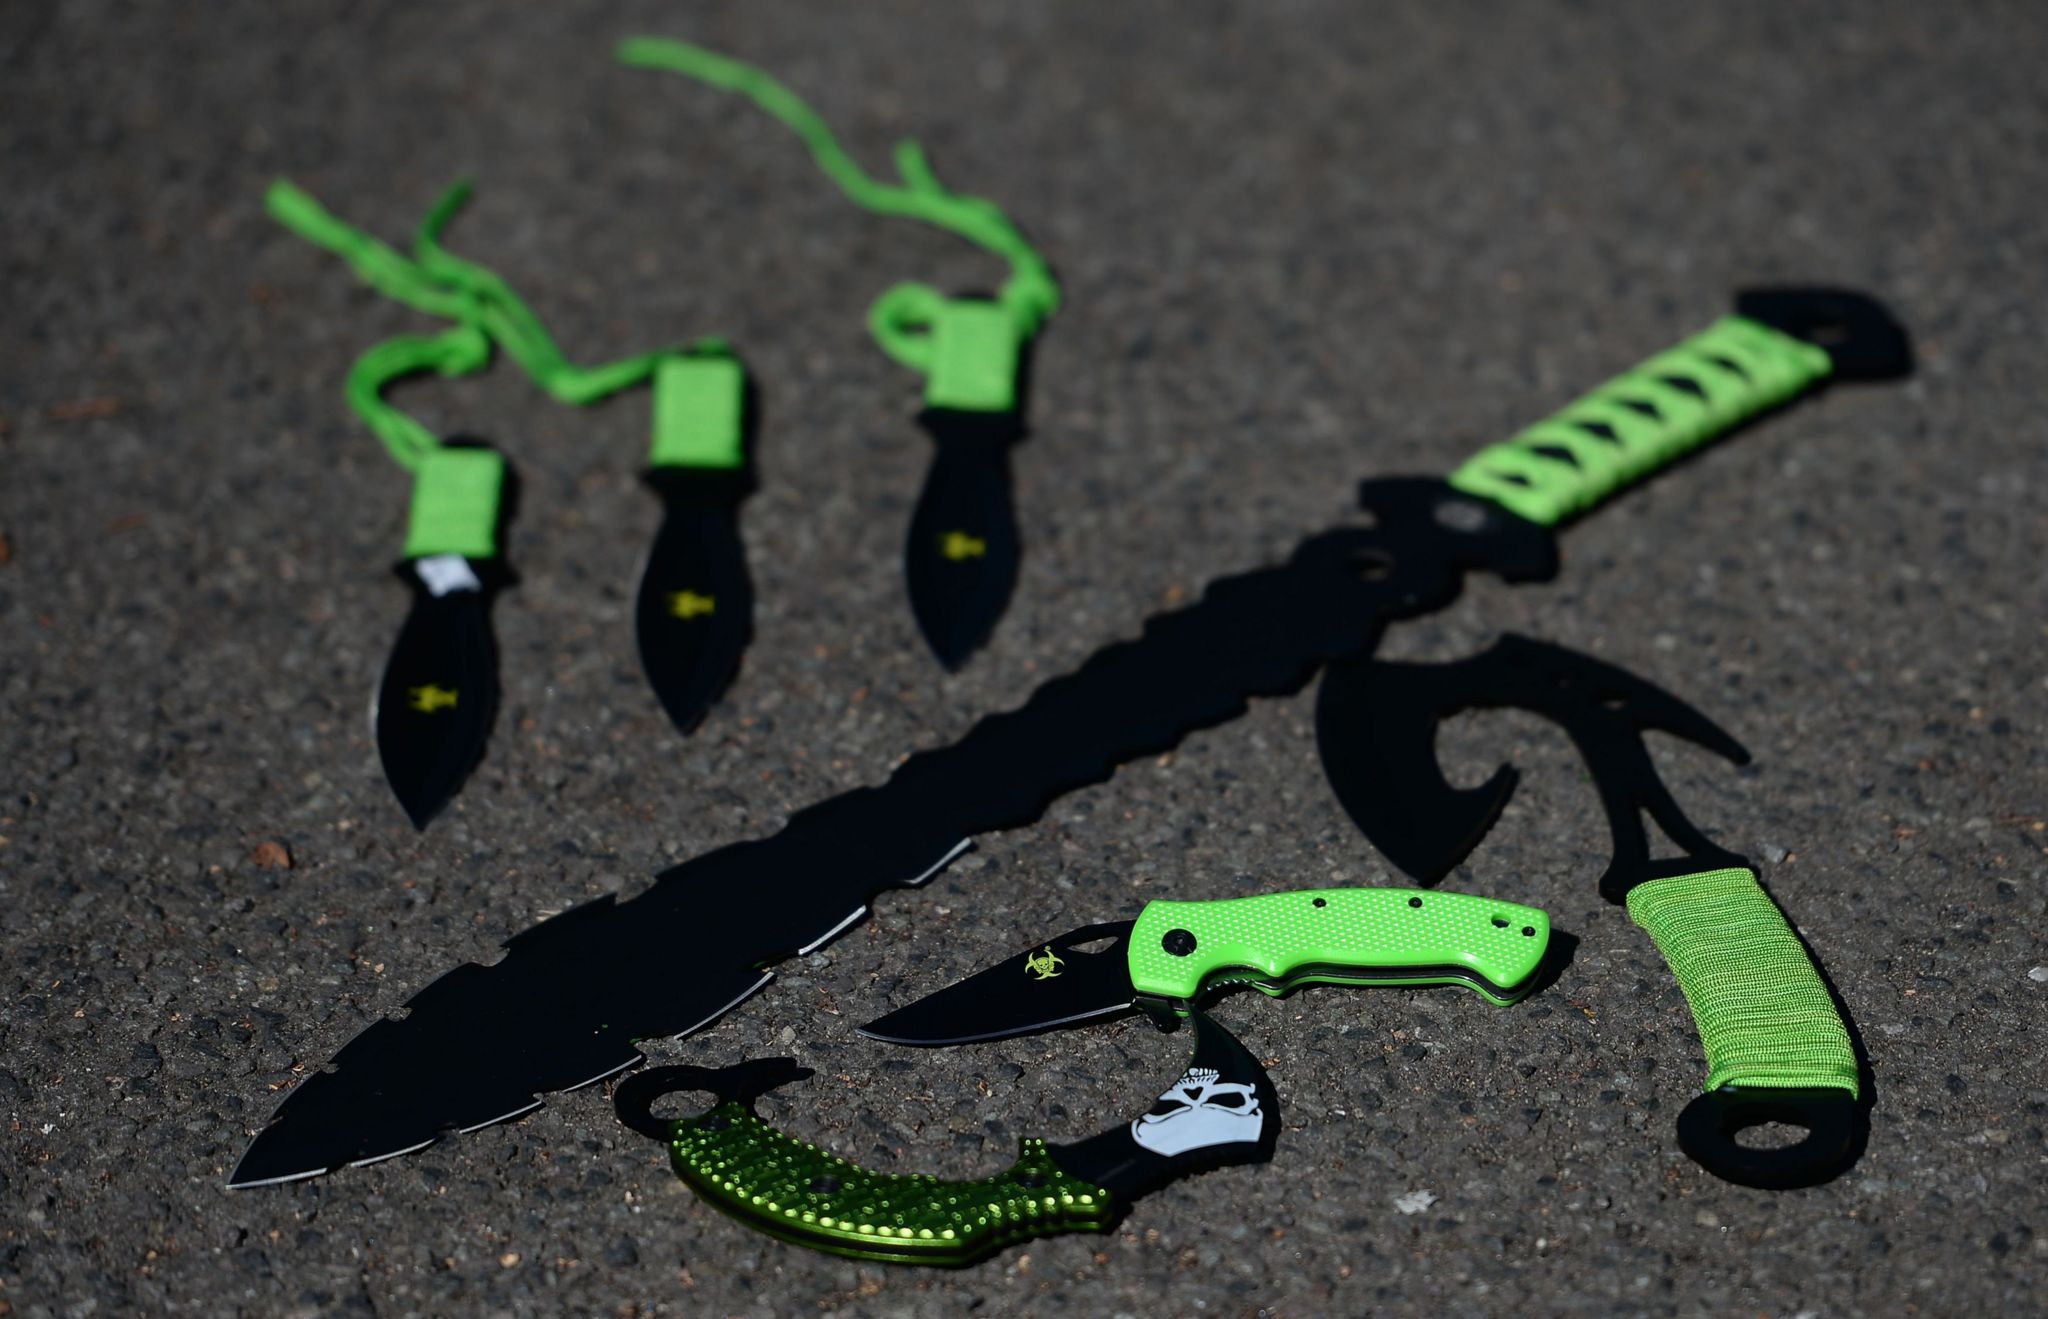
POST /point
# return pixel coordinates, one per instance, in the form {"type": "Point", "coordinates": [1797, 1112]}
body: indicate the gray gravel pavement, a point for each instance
{"type": "Point", "coordinates": [1301, 243]}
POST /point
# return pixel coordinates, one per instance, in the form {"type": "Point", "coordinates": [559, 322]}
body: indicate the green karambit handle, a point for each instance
{"type": "Point", "coordinates": [1643, 420]}
{"type": "Point", "coordinates": [799, 1193]}
{"type": "Point", "coordinates": [1353, 936]}
{"type": "Point", "coordinates": [1765, 1018]}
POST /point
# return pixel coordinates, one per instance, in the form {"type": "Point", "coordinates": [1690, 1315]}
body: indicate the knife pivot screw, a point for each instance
{"type": "Point", "coordinates": [1031, 1181]}
{"type": "Point", "coordinates": [713, 1122]}
{"type": "Point", "coordinates": [825, 1184]}
{"type": "Point", "coordinates": [1178, 943]}
{"type": "Point", "coordinates": [1322, 902]}
{"type": "Point", "coordinates": [1415, 902]}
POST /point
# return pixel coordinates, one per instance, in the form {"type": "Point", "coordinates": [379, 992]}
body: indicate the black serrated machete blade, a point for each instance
{"type": "Point", "coordinates": [695, 612]}
{"type": "Point", "coordinates": [570, 997]}
{"type": "Point", "coordinates": [961, 557]}
{"type": "Point", "coordinates": [439, 691]}
{"type": "Point", "coordinates": [1052, 984]}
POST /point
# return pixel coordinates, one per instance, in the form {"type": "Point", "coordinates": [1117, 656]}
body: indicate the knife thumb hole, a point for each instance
{"type": "Point", "coordinates": [653, 1101]}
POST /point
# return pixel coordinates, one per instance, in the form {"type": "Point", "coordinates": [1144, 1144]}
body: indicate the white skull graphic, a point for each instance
{"type": "Point", "coordinates": [1200, 1110]}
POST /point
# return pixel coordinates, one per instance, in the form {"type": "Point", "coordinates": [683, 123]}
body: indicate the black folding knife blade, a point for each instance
{"type": "Point", "coordinates": [961, 558]}
{"type": "Point", "coordinates": [1057, 983]}
{"type": "Point", "coordinates": [695, 612]}
{"type": "Point", "coordinates": [439, 692]}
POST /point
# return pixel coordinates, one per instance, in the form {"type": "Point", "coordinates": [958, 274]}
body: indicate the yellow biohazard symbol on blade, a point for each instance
{"type": "Point", "coordinates": [430, 698]}
{"type": "Point", "coordinates": [1045, 965]}
{"type": "Point", "coordinates": [958, 545]}
{"type": "Point", "coordinates": [688, 604]}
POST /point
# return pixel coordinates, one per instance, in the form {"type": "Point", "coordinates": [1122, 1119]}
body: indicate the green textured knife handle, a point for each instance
{"type": "Point", "coordinates": [1765, 1018]}
{"type": "Point", "coordinates": [802, 1194]}
{"type": "Point", "coordinates": [1344, 935]}
{"type": "Point", "coordinates": [1644, 419]}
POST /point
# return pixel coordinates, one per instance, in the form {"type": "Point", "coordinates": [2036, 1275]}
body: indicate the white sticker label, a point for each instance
{"type": "Point", "coordinates": [444, 574]}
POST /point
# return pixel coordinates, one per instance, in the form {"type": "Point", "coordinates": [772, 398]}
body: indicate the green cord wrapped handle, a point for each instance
{"type": "Point", "coordinates": [1643, 420]}
{"type": "Point", "coordinates": [1779, 343]}
{"type": "Point", "coordinates": [1765, 1018]}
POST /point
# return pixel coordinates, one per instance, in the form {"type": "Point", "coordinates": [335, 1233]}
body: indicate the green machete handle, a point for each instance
{"type": "Point", "coordinates": [1780, 343]}
{"type": "Point", "coordinates": [800, 1193]}
{"type": "Point", "coordinates": [1765, 1018]}
{"type": "Point", "coordinates": [1776, 1046]}
{"type": "Point", "coordinates": [1351, 936]}
{"type": "Point", "coordinates": [1643, 420]}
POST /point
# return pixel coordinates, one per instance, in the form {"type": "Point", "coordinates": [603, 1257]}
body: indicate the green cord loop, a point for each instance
{"type": "Point", "coordinates": [513, 324]}
{"type": "Point", "coordinates": [905, 320]}
{"type": "Point", "coordinates": [485, 310]}
{"type": "Point", "coordinates": [457, 351]}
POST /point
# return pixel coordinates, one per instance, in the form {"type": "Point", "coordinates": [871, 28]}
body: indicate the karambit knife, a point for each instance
{"type": "Point", "coordinates": [1176, 952]}
{"type": "Point", "coordinates": [695, 611]}
{"type": "Point", "coordinates": [1777, 1041]}
{"type": "Point", "coordinates": [1221, 1111]}
{"type": "Point", "coordinates": [565, 1005]}
{"type": "Point", "coordinates": [439, 692]}
{"type": "Point", "coordinates": [960, 558]}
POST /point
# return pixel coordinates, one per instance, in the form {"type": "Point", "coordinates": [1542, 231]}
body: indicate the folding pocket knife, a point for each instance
{"type": "Point", "coordinates": [1174, 953]}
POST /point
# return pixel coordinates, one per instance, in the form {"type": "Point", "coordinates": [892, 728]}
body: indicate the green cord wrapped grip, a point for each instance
{"type": "Point", "coordinates": [800, 1193]}
{"type": "Point", "coordinates": [699, 406]}
{"type": "Point", "coordinates": [974, 352]}
{"type": "Point", "coordinates": [1765, 1018]}
{"type": "Point", "coordinates": [1383, 936]}
{"type": "Point", "coordinates": [455, 499]}
{"type": "Point", "coordinates": [1643, 420]}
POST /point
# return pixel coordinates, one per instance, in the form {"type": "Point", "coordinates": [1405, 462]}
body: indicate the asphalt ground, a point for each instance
{"type": "Point", "coordinates": [1301, 243]}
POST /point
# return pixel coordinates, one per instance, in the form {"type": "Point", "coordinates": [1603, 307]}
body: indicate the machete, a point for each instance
{"type": "Point", "coordinates": [565, 1005]}
{"type": "Point", "coordinates": [1222, 1111]}
{"type": "Point", "coordinates": [1176, 952]}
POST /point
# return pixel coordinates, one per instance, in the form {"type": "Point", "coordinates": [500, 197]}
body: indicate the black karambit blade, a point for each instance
{"type": "Point", "coordinates": [439, 692]}
{"type": "Point", "coordinates": [961, 557]}
{"type": "Point", "coordinates": [1222, 1111]}
{"type": "Point", "coordinates": [695, 612]}
{"type": "Point", "coordinates": [1054, 984]}
{"type": "Point", "coordinates": [1376, 724]}
{"type": "Point", "coordinates": [566, 1002]}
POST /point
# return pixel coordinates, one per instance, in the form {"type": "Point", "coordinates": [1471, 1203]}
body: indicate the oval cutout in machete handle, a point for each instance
{"type": "Point", "coordinates": [1708, 1126]}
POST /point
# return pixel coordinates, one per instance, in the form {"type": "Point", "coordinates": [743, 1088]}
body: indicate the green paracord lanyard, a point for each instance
{"type": "Point", "coordinates": [438, 694]}
{"type": "Point", "coordinates": [696, 412]}
{"type": "Point", "coordinates": [967, 349]}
